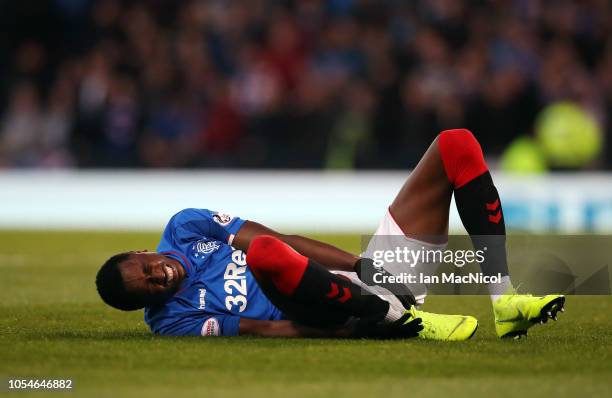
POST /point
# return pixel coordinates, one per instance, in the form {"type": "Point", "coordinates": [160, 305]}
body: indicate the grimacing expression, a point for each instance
{"type": "Point", "coordinates": [151, 276]}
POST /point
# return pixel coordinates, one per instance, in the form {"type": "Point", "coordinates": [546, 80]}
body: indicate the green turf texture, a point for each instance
{"type": "Point", "coordinates": [52, 324]}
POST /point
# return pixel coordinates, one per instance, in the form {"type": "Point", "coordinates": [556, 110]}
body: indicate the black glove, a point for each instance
{"type": "Point", "coordinates": [403, 328]}
{"type": "Point", "coordinates": [365, 270]}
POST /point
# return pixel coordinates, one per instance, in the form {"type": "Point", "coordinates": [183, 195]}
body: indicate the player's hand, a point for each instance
{"type": "Point", "coordinates": [365, 269]}
{"type": "Point", "coordinates": [403, 328]}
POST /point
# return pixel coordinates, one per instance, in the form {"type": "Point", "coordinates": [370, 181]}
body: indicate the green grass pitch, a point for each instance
{"type": "Point", "coordinates": [52, 324]}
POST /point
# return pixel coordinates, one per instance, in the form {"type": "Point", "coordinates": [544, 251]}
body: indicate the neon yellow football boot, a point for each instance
{"type": "Point", "coordinates": [445, 327]}
{"type": "Point", "coordinates": [515, 313]}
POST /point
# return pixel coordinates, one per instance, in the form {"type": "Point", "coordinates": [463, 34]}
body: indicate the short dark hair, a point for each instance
{"type": "Point", "coordinates": [111, 288]}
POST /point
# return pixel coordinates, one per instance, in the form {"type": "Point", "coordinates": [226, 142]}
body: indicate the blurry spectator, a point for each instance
{"type": "Point", "coordinates": [21, 126]}
{"type": "Point", "coordinates": [222, 132]}
{"type": "Point", "coordinates": [120, 125]}
{"type": "Point", "coordinates": [56, 125]}
{"type": "Point", "coordinates": [349, 140]}
{"type": "Point", "coordinates": [284, 53]}
{"type": "Point", "coordinates": [170, 139]}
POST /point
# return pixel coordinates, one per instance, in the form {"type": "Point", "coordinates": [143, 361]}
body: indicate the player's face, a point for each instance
{"type": "Point", "coordinates": [152, 276]}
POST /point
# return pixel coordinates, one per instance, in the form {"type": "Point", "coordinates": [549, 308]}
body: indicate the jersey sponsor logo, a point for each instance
{"type": "Point", "coordinates": [205, 247]}
{"type": "Point", "coordinates": [235, 284]}
{"type": "Point", "coordinates": [202, 299]}
{"type": "Point", "coordinates": [210, 327]}
{"type": "Point", "coordinates": [222, 219]}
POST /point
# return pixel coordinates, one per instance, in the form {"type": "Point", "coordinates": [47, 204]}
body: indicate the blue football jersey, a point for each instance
{"type": "Point", "coordinates": [218, 288]}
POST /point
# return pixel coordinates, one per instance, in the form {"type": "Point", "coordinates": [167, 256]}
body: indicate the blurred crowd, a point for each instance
{"type": "Point", "coordinates": [288, 84]}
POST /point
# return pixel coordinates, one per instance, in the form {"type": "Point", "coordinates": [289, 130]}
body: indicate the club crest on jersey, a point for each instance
{"type": "Point", "coordinates": [205, 247]}
{"type": "Point", "coordinates": [222, 219]}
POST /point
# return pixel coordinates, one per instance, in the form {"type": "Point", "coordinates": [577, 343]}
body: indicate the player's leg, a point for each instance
{"type": "Point", "coordinates": [307, 283]}
{"type": "Point", "coordinates": [455, 164]}
{"type": "Point", "coordinates": [310, 294]}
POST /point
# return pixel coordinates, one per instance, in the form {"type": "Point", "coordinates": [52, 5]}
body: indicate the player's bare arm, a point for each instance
{"type": "Point", "coordinates": [256, 327]}
{"type": "Point", "coordinates": [404, 327]}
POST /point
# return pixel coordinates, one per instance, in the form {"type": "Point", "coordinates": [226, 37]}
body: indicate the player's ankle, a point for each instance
{"type": "Point", "coordinates": [497, 290]}
{"type": "Point", "coordinates": [394, 313]}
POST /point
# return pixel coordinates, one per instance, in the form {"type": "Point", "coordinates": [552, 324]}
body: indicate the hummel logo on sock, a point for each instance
{"type": "Point", "coordinates": [492, 206]}
{"type": "Point", "coordinates": [344, 296]}
{"type": "Point", "coordinates": [494, 218]}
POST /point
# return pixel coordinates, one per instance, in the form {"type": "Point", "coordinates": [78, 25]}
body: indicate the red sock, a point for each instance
{"type": "Point", "coordinates": [278, 261]}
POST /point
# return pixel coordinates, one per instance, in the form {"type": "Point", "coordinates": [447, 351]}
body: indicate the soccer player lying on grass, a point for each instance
{"type": "Point", "coordinates": [217, 275]}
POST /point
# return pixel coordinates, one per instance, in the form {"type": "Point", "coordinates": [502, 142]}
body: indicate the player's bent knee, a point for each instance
{"type": "Point", "coordinates": [268, 254]}
{"type": "Point", "coordinates": [269, 257]}
{"type": "Point", "coordinates": [461, 142]}
{"type": "Point", "coordinates": [461, 155]}
{"type": "Point", "coordinates": [258, 254]}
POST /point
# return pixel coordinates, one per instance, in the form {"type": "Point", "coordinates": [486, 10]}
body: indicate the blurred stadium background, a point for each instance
{"type": "Point", "coordinates": [213, 89]}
